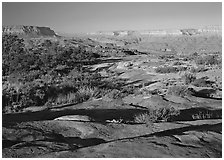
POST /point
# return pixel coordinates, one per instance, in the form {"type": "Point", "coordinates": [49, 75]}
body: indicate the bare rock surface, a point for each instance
{"type": "Point", "coordinates": [74, 118]}
{"type": "Point", "coordinates": [28, 30]}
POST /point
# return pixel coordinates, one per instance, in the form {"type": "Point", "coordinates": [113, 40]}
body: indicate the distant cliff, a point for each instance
{"type": "Point", "coordinates": [28, 30]}
{"type": "Point", "coordinates": [174, 32]}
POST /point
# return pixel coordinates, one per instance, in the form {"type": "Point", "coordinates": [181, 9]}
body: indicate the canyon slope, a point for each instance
{"type": "Point", "coordinates": [28, 30]}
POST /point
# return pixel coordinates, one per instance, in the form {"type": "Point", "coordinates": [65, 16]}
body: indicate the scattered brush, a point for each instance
{"type": "Point", "coordinates": [208, 60]}
{"type": "Point", "coordinates": [161, 114]}
{"type": "Point", "coordinates": [178, 90]}
{"type": "Point", "coordinates": [85, 93]}
{"type": "Point", "coordinates": [170, 69]}
{"type": "Point", "coordinates": [65, 99]}
{"type": "Point", "coordinates": [177, 63]}
{"type": "Point", "coordinates": [200, 68]}
{"type": "Point", "coordinates": [188, 77]}
{"type": "Point", "coordinates": [145, 118]}
{"type": "Point", "coordinates": [207, 115]}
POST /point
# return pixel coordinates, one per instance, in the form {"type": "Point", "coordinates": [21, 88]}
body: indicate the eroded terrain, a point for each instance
{"type": "Point", "coordinates": [167, 105]}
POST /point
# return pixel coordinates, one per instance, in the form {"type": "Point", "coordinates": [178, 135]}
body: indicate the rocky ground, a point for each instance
{"type": "Point", "coordinates": [107, 126]}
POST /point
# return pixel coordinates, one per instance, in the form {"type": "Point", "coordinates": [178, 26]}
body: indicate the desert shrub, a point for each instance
{"type": "Point", "coordinates": [201, 82]}
{"type": "Point", "coordinates": [13, 52]}
{"type": "Point", "coordinates": [195, 54]}
{"type": "Point", "coordinates": [81, 95]}
{"type": "Point", "coordinates": [189, 57]}
{"type": "Point", "coordinates": [63, 99]}
{"type": "Point", "coordinates": [144, 118]}
{"type": "Point", "coordinates": [51, 90]}
{"type": "Point", "coordinates": [119, 93]}
{"type": "Point", "coordinates": [85, 93]}
{"type": "Point", "coordinates": [170, 69]}
{"type": "Point", "coordinates": [167, 56]}
{"type": "Point", "coordinates": [161, 114]}
{"type": "Point", "coordinates": [114, 94]}
{"type": "Point", "coordinates": [206, 115]}
{"type": "Point", "coordinates": [179, 90]}
{"type": "Point", "coordinates": [208, 60]}
{"type": "Point", "coordinates": [166, 113]}
{"type": "Point", "coordinates": [177, 63]}
{"type": "Point", "coordinates": [49, 72]}
{"type": "Point", "coordinates": [181, 68]}
{"type": "Point", "coordinates": [188, 78]}
{"type": "Point", "coordinates": [24, 95]}
{"type": "Point", "coordinates": [198, 69]}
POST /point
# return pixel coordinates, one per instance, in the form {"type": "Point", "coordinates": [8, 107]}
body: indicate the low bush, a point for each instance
{"type": "Point", "coordinates": [170, 69]}
{"type": "Point", "coordinates": [198, 69]}
{"type": "Point", "coordinates": [201, 82]}
{"type": "Point", "coordinates": [85, 93]}
{"type": "Point", "coordinates": [188, 78]}
{"type": "Point", "coordinates": [63, 99]}
{"type": "Point", "coordinates": [145, 118]}
{"type": "Point", "coordinates": [208, 60]}
{"type": "Point", "coordinates": [206, 115]}
{"type": "Point", "coordinates": [161, 114]}
{"type": "Point", "coordinates": [179, 90]}
{"type": "Point", "coordinates": [177, 63]}
{"type": "Point", "coordinates": [168, 56]}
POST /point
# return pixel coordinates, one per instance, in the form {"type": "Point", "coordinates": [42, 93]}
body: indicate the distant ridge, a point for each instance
{"type": "Point", "coordinates": [28, 30]}
{"type": "Point", "coordinates": [189, 32]}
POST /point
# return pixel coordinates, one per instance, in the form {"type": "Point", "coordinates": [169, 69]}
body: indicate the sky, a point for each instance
{"type": "Point", "coordinates": [81, 17]}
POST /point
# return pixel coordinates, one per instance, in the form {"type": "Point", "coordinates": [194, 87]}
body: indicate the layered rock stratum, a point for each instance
{"type": "Point", "coordinates": [28, 30]}
{"type": "Point", "coordinates": [175, 32]}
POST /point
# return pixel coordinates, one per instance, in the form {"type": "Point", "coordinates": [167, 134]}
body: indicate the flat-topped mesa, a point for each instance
{"type": "Point", "coordinates": [28, 30]}
{"type": "Point", "coordinates": [172, 32]}
{"type": "Point", "coordinates": [160, 32]}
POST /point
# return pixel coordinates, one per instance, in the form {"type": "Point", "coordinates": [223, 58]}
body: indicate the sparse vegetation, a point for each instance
{"type": "Point", "coordinates": [178, 90]}
{"type": "Point", "coordinates": [170, 69]}
{"type": "Point", "coordinates": [201, 82]}
{"type": "Point", "coordinates": [37, 79]}
{"type": "Point", "coordinates": [46, 79]}
{"type": "Point", "coordinates": [208, 60]}
{"type": "Point", "coordinates": [205, 115]}
{"type": "Point", "coordinates": [81, 95]}
{"type": "Point", "coordinates": [177, 63]}
{"type": "Point", "coordinates": [161, 114]}
{"type": "Point", "coordinates": [85, 93]}
{"type": "Point", "coordinates": [188, 78]}
{"type": "Point", "coordinates": [200, 68]}
{"type": "Point", "coordinates": [63, 99]}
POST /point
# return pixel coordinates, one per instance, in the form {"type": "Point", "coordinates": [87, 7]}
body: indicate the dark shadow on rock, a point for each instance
{"type": "Point", "coordinates": [180, 131]}
{"type": "Point", "coordinates": [99, 61]}
{"type": "Point", "coordinates": [97, 115]}
{"type": "Point", "coordinates": [84, 142]}
{"type": "Point", "coordinates": [74, 143]}
{"type": "Point", "coordinates": [206, 93]}
{"type": "Point", "coordinates": [133, 82]}
{"type": "Point", "coordinates": [9, 143]}
{"type": "Point", "coordinates": [62, 106]}
{"type": "Point", "coordinates": [101, 115]}
{"type": "Point", "coordinates": [55, 139]}
{"type": "Point", "coordinates": [193, 114]}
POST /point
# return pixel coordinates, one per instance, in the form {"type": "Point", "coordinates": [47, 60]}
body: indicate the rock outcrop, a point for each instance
{"type": "Point", "coordinates": [171, 32]}
{"type": "Point", "coordinates": [28, 30]}
{"type": "Point", "coordinates": [189, 32]}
